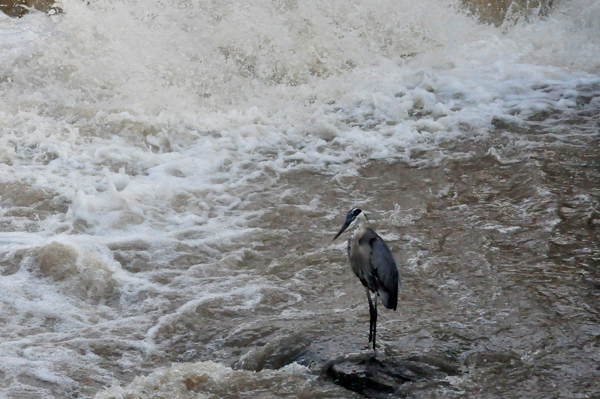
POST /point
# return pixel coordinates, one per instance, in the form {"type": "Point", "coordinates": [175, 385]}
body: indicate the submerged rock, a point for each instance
{"type": "Point", "coordinates": [379, 378]}
{"type": "Point", "coordinates": [369, 376]}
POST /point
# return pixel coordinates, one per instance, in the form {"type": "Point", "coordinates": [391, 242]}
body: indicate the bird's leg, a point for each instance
{"type": "Point", "coordinates": [372, 313]}
{"type": "Point", "coordinates": [375, 322]}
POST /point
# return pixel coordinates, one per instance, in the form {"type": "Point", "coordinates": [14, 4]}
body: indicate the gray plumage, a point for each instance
{"type": "Point", "coordinates": [373, 263]}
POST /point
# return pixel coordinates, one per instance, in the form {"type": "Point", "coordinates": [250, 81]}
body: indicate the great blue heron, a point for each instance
{"type": "Point", "coordinates": [372, 262]}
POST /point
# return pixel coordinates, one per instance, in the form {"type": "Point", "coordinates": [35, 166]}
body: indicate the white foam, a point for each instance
{"type": "Point", "coordinates": [211, 378]}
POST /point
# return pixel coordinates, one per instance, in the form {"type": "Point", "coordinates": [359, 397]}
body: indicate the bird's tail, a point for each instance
{"type": "Point", "coordinates": [389, 299]}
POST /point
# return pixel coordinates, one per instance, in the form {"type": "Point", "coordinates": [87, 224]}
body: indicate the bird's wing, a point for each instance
{"type": "Point", "coordinates": [384, 268]}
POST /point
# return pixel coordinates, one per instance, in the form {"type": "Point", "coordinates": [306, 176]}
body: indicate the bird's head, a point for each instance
{"type": "Point", "coordinates": [351, 219]}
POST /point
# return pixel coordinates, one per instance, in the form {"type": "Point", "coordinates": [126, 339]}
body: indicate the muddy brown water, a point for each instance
{"type": "Point", "coordinates": [499, 252]}
{"type": "Point", "coordinates": [496, 237]}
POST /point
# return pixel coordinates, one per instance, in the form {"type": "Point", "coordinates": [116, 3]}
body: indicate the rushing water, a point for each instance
{"type": "Point", "coordinates": [172, 174]}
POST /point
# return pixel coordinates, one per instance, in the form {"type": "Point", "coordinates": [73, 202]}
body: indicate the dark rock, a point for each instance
{"type": "Point", "coordinates": [343, 360]}
{"type": "Point", "coordinates": [366, 376]}
{"type": "Point", "coordinates": [499, 12]}
{"type": "Point", "coordinates": [18, 8]}
{"type": "Point", "coordinates": [378, 378]}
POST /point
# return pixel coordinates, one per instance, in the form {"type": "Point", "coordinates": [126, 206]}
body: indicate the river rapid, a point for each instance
{"type": "Point", "coordinates": [172, 174]}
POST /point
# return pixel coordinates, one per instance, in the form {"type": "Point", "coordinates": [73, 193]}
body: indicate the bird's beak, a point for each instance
{"type": "Point", "coordinates": [344, 227]}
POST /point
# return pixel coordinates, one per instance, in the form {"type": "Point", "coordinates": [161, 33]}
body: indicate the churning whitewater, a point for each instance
{"type": "Point", "coordinates": [171, 175]}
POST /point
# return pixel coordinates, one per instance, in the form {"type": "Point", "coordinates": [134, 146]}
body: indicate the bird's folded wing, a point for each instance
{"type": "Point", "coordinates": [385, 268]}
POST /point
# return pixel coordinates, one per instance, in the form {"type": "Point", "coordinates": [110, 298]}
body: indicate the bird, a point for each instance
{"type": "Point", "coordinates": [374, 265]}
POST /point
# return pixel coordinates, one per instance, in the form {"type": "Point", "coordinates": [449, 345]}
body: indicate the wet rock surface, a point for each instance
{"type": "Point", "coordinates": [370, 376]}
{"type": "Point", "coordinates": [378, 378]}
{"type": "Point", "coordinates": [349, 362]}
{"type": "Point", "coordinates": [18, 8]}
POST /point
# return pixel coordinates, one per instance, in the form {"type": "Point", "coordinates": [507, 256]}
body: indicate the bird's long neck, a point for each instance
{"type": "Point", "coordinates": [361, 227]}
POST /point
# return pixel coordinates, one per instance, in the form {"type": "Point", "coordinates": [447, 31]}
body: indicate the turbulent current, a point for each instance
{"type": "Point", "coordinates": [172, 174]}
